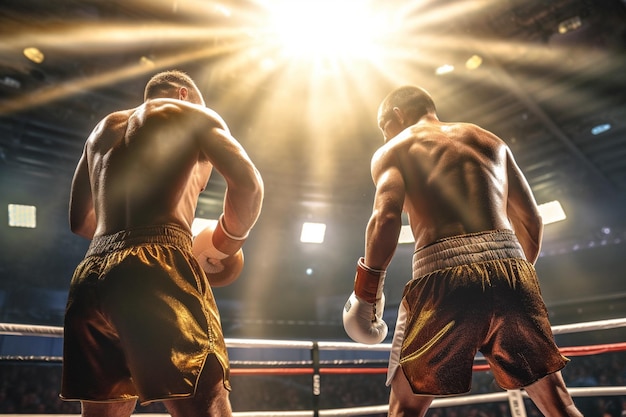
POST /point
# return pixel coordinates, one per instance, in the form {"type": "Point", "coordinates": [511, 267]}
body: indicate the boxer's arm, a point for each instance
{"type": "Point", "coordinates": [383, 228]}
{"type": "Point", "coordinates": [522, 211]}
{"type": "Point", "coordinates": [244, 192]}
{"type": "Point", "coordinates": [82, 215]}
{"type": "Point", "coordinates": [363, 312]}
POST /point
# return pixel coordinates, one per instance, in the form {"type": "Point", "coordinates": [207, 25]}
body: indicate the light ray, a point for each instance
{"type": "Point", "coordinates": [116, 37]}
{"type": "Point", "coordinates": [45, 95]}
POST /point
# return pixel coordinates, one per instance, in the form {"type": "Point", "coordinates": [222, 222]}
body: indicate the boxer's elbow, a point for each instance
{"type": "Point", "coordinates": [259, 187]}
{"type": "Point", "coordinates": [253, 187]}
{"type": "Point", "coordinates": [386, 223]}
{"type": "Point", "coordinates": [84, 226]}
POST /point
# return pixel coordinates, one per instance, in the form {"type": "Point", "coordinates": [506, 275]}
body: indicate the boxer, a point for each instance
{"type": "Point", "coordinates": [474, 288]}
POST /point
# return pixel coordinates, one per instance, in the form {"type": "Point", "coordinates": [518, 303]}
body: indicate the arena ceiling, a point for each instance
{"type": "Point", "coordinates": [549, 73]}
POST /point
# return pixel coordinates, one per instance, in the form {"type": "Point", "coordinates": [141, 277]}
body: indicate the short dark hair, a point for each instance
{"type": "Point", "coordinates": [409, 98]}
{"type": "Point", "coordinates": [165, 83]}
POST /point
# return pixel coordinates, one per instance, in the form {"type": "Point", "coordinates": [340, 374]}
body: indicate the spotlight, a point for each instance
{"type": "Point", "coordinates": [601, 128]}
{"type": "Point", "coordinates": [473, 62]}
{"type": "Point", "coordinates": [570, 25]}
{"type": "Point", "coordinates": [552, 212]}
{"type": "Point", "coordinates": [34, 55]}
{"type": "Point", "coordinates": [444, 69]}
{"type": "Point", "coordinates": [21, 215]}
{"type": "Point", "coordinates": [10, 82]}
{"type": "Point", "coordinates": [313, 232]}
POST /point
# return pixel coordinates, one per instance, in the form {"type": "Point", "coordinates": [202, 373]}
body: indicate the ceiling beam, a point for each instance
{"type": "Point", "coordinates": [515, 87]}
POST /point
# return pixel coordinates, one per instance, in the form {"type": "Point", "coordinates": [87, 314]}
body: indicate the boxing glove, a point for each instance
{"type": "Point", "coordinates": [212, 248]}
{"type": "Point", "coordinates": [216, 243]}
{"type": "Point", "coordinates": [223, 272]}
{"type": "Point", "coordinates": [363, 312]}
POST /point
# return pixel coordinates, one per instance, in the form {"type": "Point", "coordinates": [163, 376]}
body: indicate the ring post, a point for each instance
{"type": "Point", "coordinates": [315, 357]}
{"type": "Point", "coordinates": [516, 402]}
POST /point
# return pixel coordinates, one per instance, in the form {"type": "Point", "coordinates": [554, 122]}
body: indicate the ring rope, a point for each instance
{"type": "Point", "coordinates": [382, 409]}
{"type": "Point", "coordinates": [437, 403]}
{"type": "Point", "coordinates": [56, 331]}
{"type": "Point", "coordinates": [52, 331]}
{"type": "Point", "coordinates": [566, 351]}
{"type": "Point", "coordinates": [270, 367]}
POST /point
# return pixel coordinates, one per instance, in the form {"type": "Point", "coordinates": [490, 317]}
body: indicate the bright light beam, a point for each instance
{"type": "Point", "coordinates": [69, 88]}
{"type": "Point", "coordinates": [313, 29]}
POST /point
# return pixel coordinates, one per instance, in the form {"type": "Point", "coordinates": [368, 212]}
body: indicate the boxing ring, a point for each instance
{"type": "Point", "coordinates": [315, 368]}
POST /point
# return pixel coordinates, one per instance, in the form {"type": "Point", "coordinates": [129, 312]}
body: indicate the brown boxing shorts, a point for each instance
{"type": "Point", "coordinates": [140, 319]}
{"type": "Point", "coordinates": [472, 293]}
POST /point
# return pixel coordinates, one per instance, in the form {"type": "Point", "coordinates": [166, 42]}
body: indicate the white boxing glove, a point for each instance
{"type": "Point", "coordinates": [363, 312]}
{"type": "Point", "coordinates": [215, 243]}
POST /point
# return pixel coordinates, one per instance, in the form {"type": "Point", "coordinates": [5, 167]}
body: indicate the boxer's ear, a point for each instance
{"type": "Point", "coordinates": [399, 115]}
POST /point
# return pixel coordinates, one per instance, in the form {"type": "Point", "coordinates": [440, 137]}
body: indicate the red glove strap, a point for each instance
{"type": "Point", "coordinates": [366, 282]}
{"type": "Point", "coordinates": [224, 241]}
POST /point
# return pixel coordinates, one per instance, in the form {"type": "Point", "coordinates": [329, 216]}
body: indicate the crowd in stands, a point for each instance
{"type": "Point", "coordinates": [30, 388]}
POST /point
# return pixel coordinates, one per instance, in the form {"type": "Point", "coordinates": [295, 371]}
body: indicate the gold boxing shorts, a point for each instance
{"type": "Point", "coordinates": [140, 319]}
{"type": "Point", "coordinates": [472, 293]}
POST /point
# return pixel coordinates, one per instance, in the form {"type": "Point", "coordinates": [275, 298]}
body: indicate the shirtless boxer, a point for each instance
{"type": "Point", "coordinates": [141, 321]}
{"type": "Point", "coordinates": [477, 236]}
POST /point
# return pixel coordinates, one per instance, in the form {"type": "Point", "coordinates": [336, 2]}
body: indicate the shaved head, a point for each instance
{"type": "Point", "coordinates": [167, 83]}
{"type": "Point", "coordinates": [414, 101]}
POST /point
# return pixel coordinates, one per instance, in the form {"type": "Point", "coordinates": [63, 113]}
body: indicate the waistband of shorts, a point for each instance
{"type": "Point", "coordinates": [166, 234]}
{"type": "Point", "coordinates": [466, 249]}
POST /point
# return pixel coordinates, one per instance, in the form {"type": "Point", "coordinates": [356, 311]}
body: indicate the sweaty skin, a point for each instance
{"type": "Point", "coordinates": [450, 179]}
{"type": "Point", "coordinates": [148, 165]}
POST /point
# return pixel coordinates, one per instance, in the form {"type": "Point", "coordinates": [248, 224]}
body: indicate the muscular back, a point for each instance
{"type": "Point", "coordinates": [457, 179]}
{"type": "Point", "coordinates": [146, 166]}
